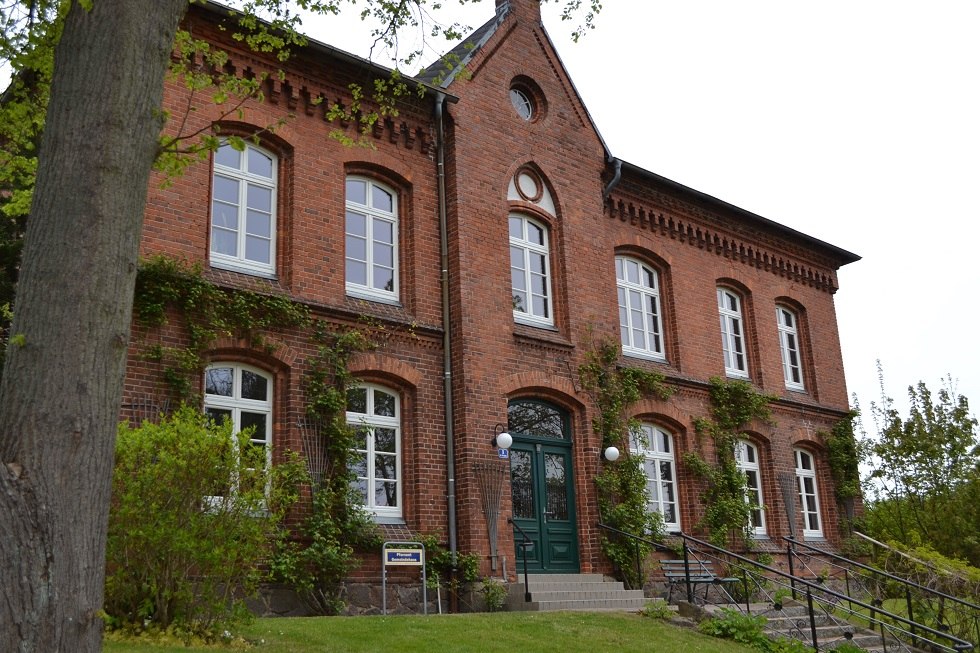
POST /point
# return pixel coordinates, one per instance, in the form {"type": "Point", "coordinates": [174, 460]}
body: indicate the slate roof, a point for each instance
{"type": "Point", "coordinates": [441, 72]}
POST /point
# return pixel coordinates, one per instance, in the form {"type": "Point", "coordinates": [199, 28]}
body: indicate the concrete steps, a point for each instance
{"type": "Point", "coordinates": [587, 592]}
{"type": "Point", "coordinates": [792, 621]}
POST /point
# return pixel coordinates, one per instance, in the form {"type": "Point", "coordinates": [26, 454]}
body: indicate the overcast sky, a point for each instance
{"type": "Point", "coordinates": [857, 122]}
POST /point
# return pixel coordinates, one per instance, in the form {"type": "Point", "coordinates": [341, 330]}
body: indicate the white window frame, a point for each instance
{"type": "Point", "coordinates": [639, 309]}
{"type": "Point", "coordinates": [733, 341]}
{"type": "Point", "coordinates": [522, 249]}
{"type": "Point", "coordinates": [806, 481]}
{"type": "Point", "coordinates": [649, 447]}
{"type": "Point", "coordinates": [245, 179]}
{"type": "Point", "coordinates": [369, 421]}
{"type": "Point", "coordinates": [787, 322]}
{"type": "Point", "coordinates": [373, 216]}
{"type": "Point", "coordinates": [237, 405]}
{"type": "Point", "coordinates": [747, 461]}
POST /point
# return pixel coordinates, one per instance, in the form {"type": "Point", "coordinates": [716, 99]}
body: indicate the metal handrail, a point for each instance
{"type": "Point", "coordinates": [636, 547]}
{"type": "Point", "coordinates": [942, 596]}
{"type": "Point", "coordinates": [958, 644]}
{"type": "Point", "coordinates": [524, 544]}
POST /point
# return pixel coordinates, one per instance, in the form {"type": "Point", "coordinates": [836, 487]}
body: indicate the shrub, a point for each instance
{"type": "Point", "coordinates": [742, 628]}
{"type": "Point", "coordinates": [194, 512]}
{"type": "Point", "coordinates": [657, 609]}
{"type": "Point", "coordinates": [494, 592]}
{"type": "Point", "coordinates": [317, 564]}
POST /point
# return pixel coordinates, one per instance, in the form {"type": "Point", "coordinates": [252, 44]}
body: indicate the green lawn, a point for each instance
{"type": "Point", "coordinates": [506, 632]}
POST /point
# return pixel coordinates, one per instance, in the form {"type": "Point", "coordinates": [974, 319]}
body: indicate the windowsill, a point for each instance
{"type": "Point", "coordinates": [798, 390]}
{"type": "Point", "coordinates": [387, 519]}
{"type": "Point", "coordinates": [647, 356]}
{"type": "Point", "coordinates": [242, 269]}
{"type": "Point", "coordinates": [370, 297]}
{"type": "Point", "coordinates": [538, 334]}
{"type": "Point", "coordinates": [742, 376]}
{"type": "Point", "coordinates": [523, 318]}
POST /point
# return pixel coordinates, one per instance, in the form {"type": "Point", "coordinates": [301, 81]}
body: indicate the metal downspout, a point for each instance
{"type": "Point", "coordinates": [447, 372]}
{"type": "Point", "coordinates": [618, 172]}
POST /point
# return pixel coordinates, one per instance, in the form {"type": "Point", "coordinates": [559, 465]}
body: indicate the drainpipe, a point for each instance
{"type": "Point", "coordinates": [618, 170]}
{"type": "Point", "coordinates": [447, 372]}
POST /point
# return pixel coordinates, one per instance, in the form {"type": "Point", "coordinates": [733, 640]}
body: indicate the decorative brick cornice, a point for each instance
{"type": "Point", "coordinates": [296, 93]}
{"type": "Point", "coordinates": [724, 244]}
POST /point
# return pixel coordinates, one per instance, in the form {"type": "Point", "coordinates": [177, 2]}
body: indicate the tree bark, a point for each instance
{"type": "Point", "coordinates": [62, 383]}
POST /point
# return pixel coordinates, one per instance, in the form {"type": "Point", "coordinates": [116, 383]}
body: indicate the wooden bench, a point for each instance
{"type": "Point", "coordinates": [701, 573]}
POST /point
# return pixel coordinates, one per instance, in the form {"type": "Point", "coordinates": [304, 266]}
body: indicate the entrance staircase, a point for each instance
{"type": "Point", "coordinates": [791, 620]}
{"type": "Point", "coordinates": [591, 592]}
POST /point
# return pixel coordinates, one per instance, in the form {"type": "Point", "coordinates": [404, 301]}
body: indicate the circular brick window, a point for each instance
{"type": "Point", "coordinates": [523, 104]}
{"type": "Point", "coordinates": [527, 99]}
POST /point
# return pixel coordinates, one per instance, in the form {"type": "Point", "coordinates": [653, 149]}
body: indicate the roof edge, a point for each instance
{"type": "Point", "coordinates": [834, 251]}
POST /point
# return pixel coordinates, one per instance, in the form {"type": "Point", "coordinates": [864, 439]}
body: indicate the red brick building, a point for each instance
{"type": "Point", "coordinates": [491, 235]}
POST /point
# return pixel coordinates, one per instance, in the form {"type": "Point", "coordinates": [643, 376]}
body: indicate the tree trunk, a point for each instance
{"type": "Point", "coordinates": [62, 384]}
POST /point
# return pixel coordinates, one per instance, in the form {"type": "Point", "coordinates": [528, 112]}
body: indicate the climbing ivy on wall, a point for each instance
{"type": "Point", "coordinates": [733, 405]}
{"type": "Point", "coordinates": [843, 456]}
{"type": "Point", "coordinates": [208, 312]}
{"type": "Point", "coordinates": [621, 485]}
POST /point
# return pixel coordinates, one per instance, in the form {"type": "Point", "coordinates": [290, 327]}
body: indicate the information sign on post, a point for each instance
{"type": "Point", "coordinates": [402, 554]}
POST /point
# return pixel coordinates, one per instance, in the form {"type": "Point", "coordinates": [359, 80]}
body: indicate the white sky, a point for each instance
{"type": "Point", "coordinates": [854, 121]}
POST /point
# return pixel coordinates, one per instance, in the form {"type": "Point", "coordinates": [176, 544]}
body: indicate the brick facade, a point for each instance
{"type": "Point", "coordinates": [593, 207]}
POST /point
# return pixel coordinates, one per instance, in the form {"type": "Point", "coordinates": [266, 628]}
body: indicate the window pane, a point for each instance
{"type": "Point", "coordinates": [384, 467]}
{"type": "Point", "coordinates": [360, 487]}
{"type": "Point", "coordinates": [259, 198]}
{"type": "Point", "coordinates": [356, 272]}
{"type": "Point", "coordinates": [384, 255]}
{"type": "Point", "coordinates": [383, 231]}
{"type": "Point", "coordinates": [224, 215]}
{"type": "Point", "coordinates": [356, 224]}
{"type": "Point", "coordinates": [219, 381]}
{"type": "Point", "coordinates": [535, 234]}
{"type": "Point", "coordinates": [218, 415]}
{"type": "Point", "coordinates": [259, 163]}
{"type": "Point", "coordinates": [384, 403]}
{"type": "Point", "coordinates": [224, 242]}
{"type": "Point", "coordinates": [384, 279]}
{"type": "Point", "coordinates": [254, 386]}
{"type": "Point", "coordinates": [521, 484]}
{"type": "Point", "coordinates": [357, 400]}
{"type": "Point", "coordinates": [225, 189]}
{"type": "Point", "coordinates": [228, 156]}
{"type": "Point", "coordinates": [257, 249]}
{"type": "Point", "coordinates": [356, 248]}
{"type": "Point", "coordinates": [381, 199]}
{"type": "Point", "coordinates": [258, 420]}
{"type": "Point", "coordinates": [258, 224]}
{"type": "Point", "coordinates": [384, 440]}
{"type": "Point", "coordinates": [516, 226]}
{"type": "Point", "coordinates": [356, 191]}
{"type": "Point", "coordinates": [632, 272]}
{"type": "Point", "coordinates": [358, 464]}
{"type": "Point", "coordinates": [385, 494]}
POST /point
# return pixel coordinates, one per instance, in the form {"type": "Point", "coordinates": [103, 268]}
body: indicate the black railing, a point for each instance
{"type": "Point", "coordinates": [638, 543]}
{"type": "Point", "coordinates": [525, 543]}
{"type": "Point", "coordinates": [759, 581]}
{"type": "Point", "coordinates": [945, 612]}
{"type": "Point", "coordinates": [901, 631]}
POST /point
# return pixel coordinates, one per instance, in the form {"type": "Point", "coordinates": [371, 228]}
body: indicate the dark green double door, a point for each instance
{"type": "Point", "coordinates": [544, 506]}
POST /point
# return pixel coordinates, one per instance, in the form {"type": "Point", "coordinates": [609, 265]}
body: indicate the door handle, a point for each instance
{"type": "Point", "coordinates": [546, 514]}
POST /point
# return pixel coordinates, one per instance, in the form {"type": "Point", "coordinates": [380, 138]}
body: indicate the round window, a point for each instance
{"type": "Point", "coordinates": [523, 104]}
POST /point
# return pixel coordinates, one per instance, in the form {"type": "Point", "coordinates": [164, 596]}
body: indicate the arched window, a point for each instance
{"type": "Point", "coordinates": [806, 479]}
{"type": "Point", "coordinates": [747, 460]}
{"type": "Point", "coordinates": [243, 209]}
{"type": "Point", "coordinates": [789, 346]}
{"type": "Point", "coordinates": [371, 244]}
{"type": "Point", "coordinates": [375, 413]}
{"type": "Point", "coordinates": [655, 449]}
{"type": "Point", "coordinates": [530, 271]}
{"type": "Point", "coordinates": [732, 333]}
{"type": "Point", "coordinates": [640, 325]}
{"type": "Point", "coordinates": [242, 395]}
